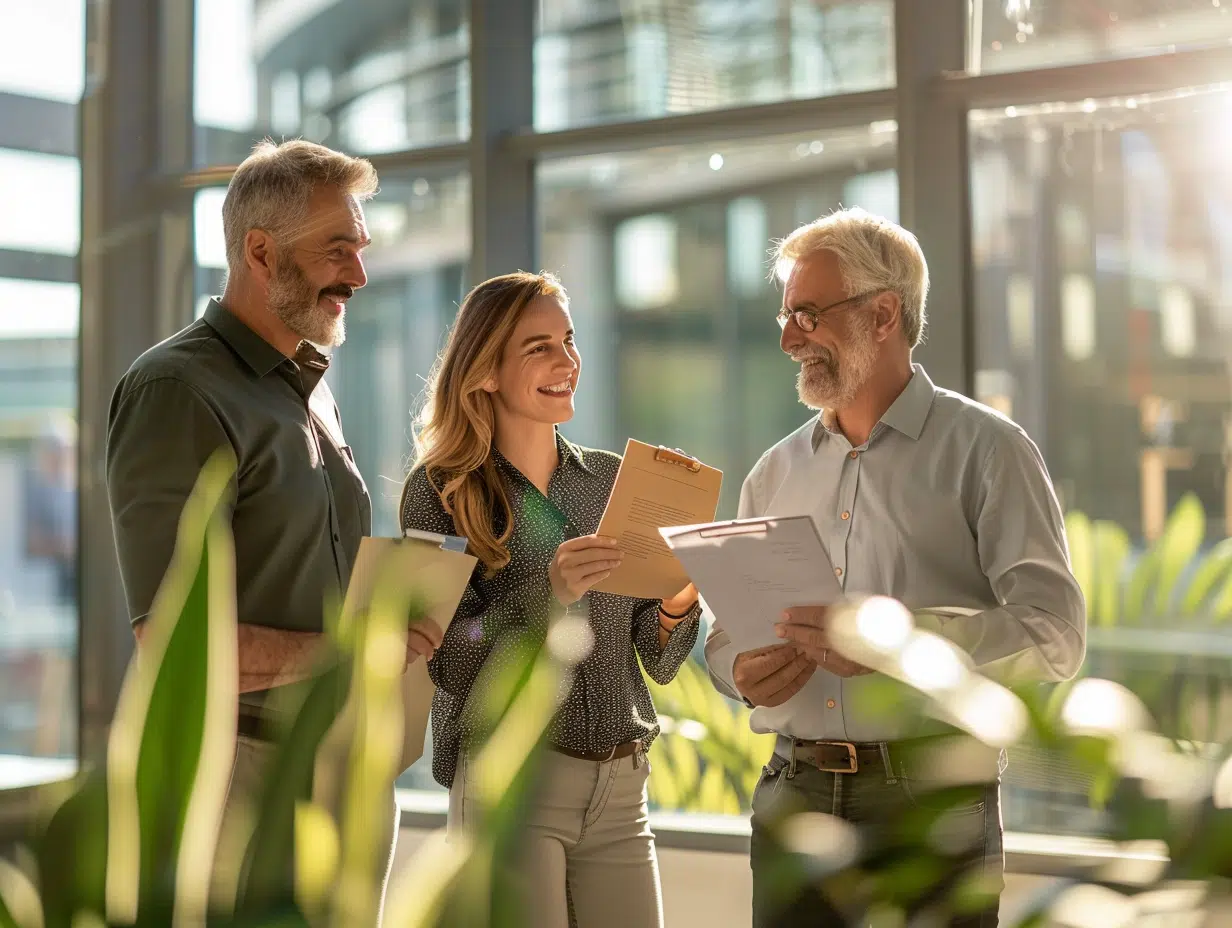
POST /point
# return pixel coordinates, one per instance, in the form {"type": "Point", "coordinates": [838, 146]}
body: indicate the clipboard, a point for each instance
{"type": "Point", "coordinates": [655, 487]}
{"type": "Point", "coordinates": [436, 573]}
{"type": "Point", "coordinates": [750, 570]}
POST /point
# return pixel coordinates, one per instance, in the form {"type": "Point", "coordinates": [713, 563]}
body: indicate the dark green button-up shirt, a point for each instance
{"type": "Point", "coordinates": [299, 504]}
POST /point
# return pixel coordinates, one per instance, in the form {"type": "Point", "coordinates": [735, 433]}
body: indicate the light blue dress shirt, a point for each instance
{"type": "Point", "coordinates": [948, 503]}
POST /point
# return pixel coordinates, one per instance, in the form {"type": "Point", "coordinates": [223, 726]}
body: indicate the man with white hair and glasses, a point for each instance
{"type": "Point", "coordinates": [920, 494]}
{"type": "Point", "coordinates": [248, 376]}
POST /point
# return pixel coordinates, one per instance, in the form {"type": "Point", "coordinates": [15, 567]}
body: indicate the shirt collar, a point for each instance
{"type": "Point", "coordinates": [568, 452]}
{"type": "Point", "coordinates": [253, 350]}
{"type": "Point", "coordinates": [906, 414]}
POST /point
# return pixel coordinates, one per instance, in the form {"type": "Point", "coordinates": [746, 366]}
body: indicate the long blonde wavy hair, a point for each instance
{"type": "Point", "coordinates": [456, 425]}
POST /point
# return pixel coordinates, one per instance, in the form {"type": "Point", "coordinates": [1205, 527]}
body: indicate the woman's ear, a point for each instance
{"type": "Point", "coordinates": [489, 385]}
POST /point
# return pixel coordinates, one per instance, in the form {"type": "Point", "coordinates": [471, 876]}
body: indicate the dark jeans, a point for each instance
{"type": "Point", "coordinates": [934, 854]}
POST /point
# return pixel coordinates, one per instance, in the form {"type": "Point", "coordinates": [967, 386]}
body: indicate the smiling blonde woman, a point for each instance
{"type": "Point", "coordinates": [493, 468]}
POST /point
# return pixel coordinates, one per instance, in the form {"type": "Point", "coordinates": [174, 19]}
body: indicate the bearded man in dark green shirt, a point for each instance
{"type": "Point", "coordinates": [249, 376]}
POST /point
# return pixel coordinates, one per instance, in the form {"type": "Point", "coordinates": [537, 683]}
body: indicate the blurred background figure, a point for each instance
{"type": "Point", "coordinates": [51, 505]}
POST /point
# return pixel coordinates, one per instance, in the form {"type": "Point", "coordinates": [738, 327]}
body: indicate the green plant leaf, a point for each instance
{"type": "Point", "coordinates": [71, 850]}
{"type": "Point", "coordinates": [265, 881]}
{"type": "Point", "coordinates": [685, 764]}
{"type": "Point", "coordinates": [1141, 581]}
{"type": "Point", "coordinates": [1182, 537]}
{"type": "Point", "coordinates": [711, 791]}
{"type": "Point", "coordinates": [1111, 547]}
{"type": "Point", "coordinates": [20, 906]}
{"type": "Point", "coordinates": [1081, 540]}
{"type": "Point", "coordinates": [1212, 571]}
{"type": "Point", "coordinates": [666, 793]}
{"type": "Point", "coordinates": [171, 743]}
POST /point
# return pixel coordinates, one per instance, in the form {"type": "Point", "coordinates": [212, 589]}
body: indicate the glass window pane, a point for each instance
{"type": "Point", "coordinates": [420, 229]}
{"type": "Point", "coordinates": [38, 529]}
{"type": "Point", "coordinates": [364, 78]}
{"type": "Point", "coordinates": [597, 61]}
{"type": "Point", "coordinates": [1015, 35]}
{"type": "Point", "coordinates": [666, 257]}
{"type": "Point", "coordinates": [41, 202]}
{"type": "Point", "coordinates": [49, 59]}
{"type": "Point", "coordinates": [1102, 237]}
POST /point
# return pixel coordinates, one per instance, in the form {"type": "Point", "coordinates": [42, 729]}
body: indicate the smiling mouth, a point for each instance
{"type": "Point", "coordinates": [564, 388]}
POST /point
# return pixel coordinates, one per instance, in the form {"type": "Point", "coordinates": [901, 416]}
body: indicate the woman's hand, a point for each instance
{"type": "Point", "coordinates": [579, 564]}
{"type": "Point", "coordinates": [422, 640]}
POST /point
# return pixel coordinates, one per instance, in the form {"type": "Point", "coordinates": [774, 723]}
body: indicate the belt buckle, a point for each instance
{"type": "Point", "coordinates": [853, 763]}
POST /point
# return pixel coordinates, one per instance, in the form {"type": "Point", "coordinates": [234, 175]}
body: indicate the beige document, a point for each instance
{"type": "Point", "coordinates": [435, 577]}
{"type": "Point", "coordinates": [655, 488]}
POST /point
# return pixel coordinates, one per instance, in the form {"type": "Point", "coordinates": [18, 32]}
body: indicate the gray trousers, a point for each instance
{"type": "Point", "coordinates": [588, 858]}
{"type": "Point", "coordinates": [897, 819]}
{"type": "Point", "coordinates": [251, 758]}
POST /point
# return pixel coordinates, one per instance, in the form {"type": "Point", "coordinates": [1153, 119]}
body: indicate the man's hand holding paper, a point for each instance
{"type": "Point", "coordinates": [807, 628]}
{"type": "Point", "coordinates": [771, 675]}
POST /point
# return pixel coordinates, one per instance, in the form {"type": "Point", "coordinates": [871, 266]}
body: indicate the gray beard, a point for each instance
{"type": "Point", "coordinates": [830, 383]}
{"type": "Point", "coordinates": [293, 299]}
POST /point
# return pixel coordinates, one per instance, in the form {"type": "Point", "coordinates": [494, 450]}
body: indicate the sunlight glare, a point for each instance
{"type": "Point", "coordinates": [930, 663]}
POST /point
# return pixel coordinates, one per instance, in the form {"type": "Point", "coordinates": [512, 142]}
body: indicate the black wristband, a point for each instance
{"type": "Point", "coordinates": [683, 615]}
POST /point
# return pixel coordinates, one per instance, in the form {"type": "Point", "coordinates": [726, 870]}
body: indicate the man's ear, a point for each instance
{"type": "Point", "coordinates": [887, 314]}
{"type": "Point", "coordinates": [259, 254]}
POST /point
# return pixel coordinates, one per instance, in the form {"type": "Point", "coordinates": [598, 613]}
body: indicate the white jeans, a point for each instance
{"type": "Point", "coordinates": [589, 858]}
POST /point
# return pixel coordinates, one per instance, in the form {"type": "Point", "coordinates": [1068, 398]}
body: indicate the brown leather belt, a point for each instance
{"type": "Point", "coordinates": [627, 749]}
{"type": "Point", "coordinates": [919, 757]}
{"type": "Point", "coordinates": [837, 756]}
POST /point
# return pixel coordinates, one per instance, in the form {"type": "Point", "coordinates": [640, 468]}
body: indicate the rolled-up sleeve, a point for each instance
{"type": "Point", "coordinates": [160, 434]}
{"type": "Point", "coordinates": [1039, 630]}
{"type": "Point", "coordinates": [662, 662]}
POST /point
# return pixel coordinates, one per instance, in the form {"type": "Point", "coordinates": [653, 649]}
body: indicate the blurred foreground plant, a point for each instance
{"type": "Point", "coordinates": [1167, 804]}
{"type": "Point", "coordinates": [133, 842]}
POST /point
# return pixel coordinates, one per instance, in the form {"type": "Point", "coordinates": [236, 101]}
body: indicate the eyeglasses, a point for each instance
{"type": "Point", "coordinates": [807, 319]}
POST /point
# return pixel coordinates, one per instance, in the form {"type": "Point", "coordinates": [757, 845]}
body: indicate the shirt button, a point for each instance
{"type": "Point", "coordinates": [853, 454]}
{"type": "Point", "coordinates": [337, 537]}
{"type": "Point", "coordinates": [829, 703]}
{"type": "Point", "coordinates": [838, 571]}
{"type": "Point", "coordinates": [846, 516]}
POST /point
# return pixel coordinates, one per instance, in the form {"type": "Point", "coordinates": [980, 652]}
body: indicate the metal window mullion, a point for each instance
{"type": "Point", "coordinates": [1116, 78]}
{"type": "Point", "coordinates": [933, 171]}
{"type": "Point", "coordinates": [503, 227]}
{"type": "Point", "coordinates": [134, 127]}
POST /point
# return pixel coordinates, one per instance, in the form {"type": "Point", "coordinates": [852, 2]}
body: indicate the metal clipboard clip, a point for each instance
{"type": "Point", "coordinates": [679, 458]}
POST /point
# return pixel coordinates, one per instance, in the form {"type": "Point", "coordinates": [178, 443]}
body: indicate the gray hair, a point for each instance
{"type": "Point", "coordinates": [873, 254]}
{"type": "Point", "coordinates": [271, 189]}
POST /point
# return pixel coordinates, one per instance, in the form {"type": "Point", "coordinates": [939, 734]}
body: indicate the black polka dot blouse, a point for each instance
{"type": "Point", "coordinates": [608, 703]}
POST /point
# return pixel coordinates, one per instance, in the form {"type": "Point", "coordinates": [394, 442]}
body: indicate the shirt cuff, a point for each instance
{"type": "Point", "coordinates": [721, 662]}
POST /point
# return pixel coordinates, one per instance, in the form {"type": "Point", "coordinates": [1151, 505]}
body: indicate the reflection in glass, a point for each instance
{"type": "Point", "coordinates": [1102, 243]}
{"type": "Point", "coordinates": [1016, 35]}
{"type": "Point", "coordinates": [597, 61]}
{"type": "Point", "coordinates": [38, 524]}
{"type": "Point", "coordinates": [1115, 218]}
{"type": "Point", "coordinates": [665, 254]}
{"type": "Point", "coordinates": [40, 232]}
{"type": "Point", "coordinates": [364, 78]}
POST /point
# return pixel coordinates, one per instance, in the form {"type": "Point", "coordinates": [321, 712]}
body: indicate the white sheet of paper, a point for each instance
{"type": "Point", "coordinates": [750, 570]}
